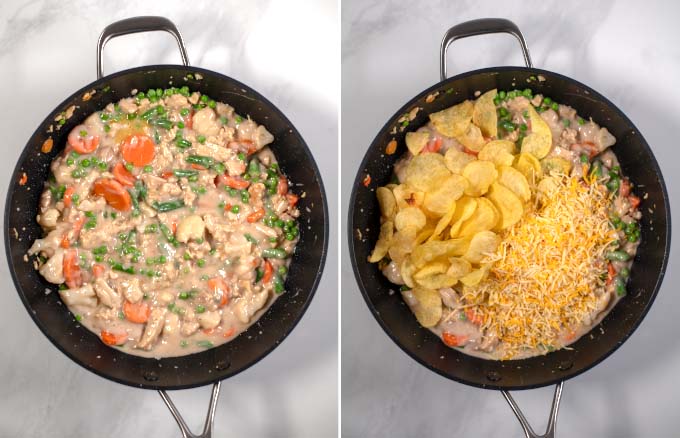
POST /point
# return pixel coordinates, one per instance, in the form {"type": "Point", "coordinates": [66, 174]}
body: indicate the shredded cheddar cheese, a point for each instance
{"type": "Point", "coordinates": [546, 278]}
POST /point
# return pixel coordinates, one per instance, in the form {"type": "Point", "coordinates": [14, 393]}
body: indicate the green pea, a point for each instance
{"type": "Point", "coordinates": [211, 104]}
{"type": "Point", "coordinates": [502, 94]}
{"type": "Point", "coordinates": [204, 98]}
{"type": "Point", "coordinates": [580, 121]}
{"type": "Point", "coordinates": [235, 209]}
{"type": "Point", "coordinates": [200, 262]}
{"type": "Point", "coordinates": [566, 122]}
{"type": "Point", "coordinates": [186, 256]}
{"type": "Point", "coordinates": [527, 93]}
{"type": "Point", "coordinates": [584, 158]}
{"type": "Point", "coordinates": [184, 112]}
{"type": "Point", "coordinates": [200, 308]}
{"type": "Point", "coordinates": [547, 100]}
{"type": "Point", "coordinates": [508, 126]}
{"type": "Point", "coordinates": [69, 161]}
{"type": "Point", "coordinates": [555, 106]}
{"type": "Point", "coordinates": [282, 270]}
{"type": "Point", "coordinates": [129, 167]}
{"type": "Point", "coordinates": [523, 127]}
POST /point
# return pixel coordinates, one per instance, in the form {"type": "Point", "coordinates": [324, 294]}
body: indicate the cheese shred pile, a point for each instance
{"type": "Point", "coordinates": [546, 279]}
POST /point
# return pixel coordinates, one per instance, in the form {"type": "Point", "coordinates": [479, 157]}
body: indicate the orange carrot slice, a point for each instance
{"type": "Point", "coordinates": [220, 289]}
{"type": "Point", "coordinates": [98, 270]}
{"type": "Point", "coordinates": [255, 216]}
{"type": "Point", "coordinates": [71, 269]}
{"type": "Point", "coordinates": [123, 175]}
{"type": "Point", "coordinates": [68, 194]}
{"type": "Point", "coordinates": [268, 272]}
{"type": "Point", "coordinates": [235, 182]}
{"type": "Point", "coordinates": [138, 149]}
{"type": "Point", "coordinates": [452, 340]}
{"type": "Point", "coordinates": [110, 338]}
{"type": "Point", "coordinates": [137, 312]}
{"type": "Point", "coordinates": [114, 193]}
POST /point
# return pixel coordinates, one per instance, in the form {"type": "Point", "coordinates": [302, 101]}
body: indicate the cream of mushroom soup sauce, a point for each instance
{"type": "Point", "coordinates": [168, 224]}
{"type": "Point", "coordinates": [508, 225]}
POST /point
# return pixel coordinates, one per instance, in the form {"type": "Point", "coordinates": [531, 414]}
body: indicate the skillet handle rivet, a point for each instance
{"type": "Point", "coordinates": [222, 365]}
{"type": "Point", "coordinates": [150, 376]}
{"type": "Point", "coordinates": [565, 365]}
{"type": "Point", "coordinates": [493, 376]}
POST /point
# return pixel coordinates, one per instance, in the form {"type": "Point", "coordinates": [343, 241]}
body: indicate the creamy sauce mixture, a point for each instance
{"type": "Point", "coordinates": [585, 145]}
{"type": "Point", "coordinates": [169, 226]}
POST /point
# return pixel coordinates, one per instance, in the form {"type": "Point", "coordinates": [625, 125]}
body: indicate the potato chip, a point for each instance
{"type": "Point", "coordinates": [443, 223]}
{"type": "Point", "coordinates": [402, 244]}
{"type": "Point", "coordinates": [475, 277]}
{"type": "Point", "coordinates": [472, 138]}
{"type": "Point", "coordinates": [515, 181]}
{"type": "Point", "coordinates": [416, 141]}
{"type": "Point", "coordinates": [499, 152]}
{"type": "Point", "coordinates": [436, 267]}
{"type": "Point", "coordinates": [507, 203]}
{"type": "Point", "coordinates": [529, 166]}
{"type": "Point", "coordinates": [425, 233]}
{"type": "Point", "coordinates": [465, 208]}
{"type": "Point", "coordinates": [439, 201]}
{"type": "Point", "coordinates": [387, 202]}
{"type": "Point", "coordinates": [428, 251]}
{"type": "Point", "coordinates": [407, 196]}
{"type": "Point", "coordinates": [539, 141]}
{"type": "Point", "coordinates": [484, 114]}
{"type": "Point", "coordinates": [426, 172]}
{"type": "Point", "coordinates": [458, 267]}
{"type": "Point", "coordinates": [383, 243]}
{"type": "Point", "coordinates": [480, 174]}
{"type": "Point", "coordinates": [557, 165]}
{"type": "Point", "coordinates": [437, 281]}
{"type": "Point", "coordinates": [456, 160]}
{"type": "Point", "coordinates": [410, 217]}
{"type": "Point", "coordinates": [453, 121]}
{"type": "Point", "coordinates": [428, 309]}
{"type": "Point", "coordinates": [485, 218]}
{"type": "Point", "coordinates": [482, 244]}
{"type": "Point", "coordinates": [406, 270]}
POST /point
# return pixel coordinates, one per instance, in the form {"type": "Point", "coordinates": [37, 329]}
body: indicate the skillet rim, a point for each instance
{"type": "Point", "coordinates": [218, 375]}
{"type": "Point", "coordinates": [353, 251]}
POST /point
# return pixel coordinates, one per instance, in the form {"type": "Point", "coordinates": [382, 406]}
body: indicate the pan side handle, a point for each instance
{"type": "Point", "coordinates": [209, 419]}
{"type": "Point", "coordinates": [137, 25]}
{"type": "Point", "coordinates": [480, 27]}
{"type": "Point", "coordinates": [528, 431]}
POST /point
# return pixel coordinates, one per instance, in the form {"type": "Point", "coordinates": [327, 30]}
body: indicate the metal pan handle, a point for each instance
{"type": "Point", "coordinates": [137, 25]}
{"type": "Point", "coordinates": [528, 431]}
{"type": "Point", "coordinates": [207, 428]}
{"type": "Point", "coordinates": [480, 27]}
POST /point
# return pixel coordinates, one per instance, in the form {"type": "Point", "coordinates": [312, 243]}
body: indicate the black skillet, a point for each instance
{"type": "Point", "coordinates": [637, 161]}
{"type": "Point", "coordinates": [54, 319]}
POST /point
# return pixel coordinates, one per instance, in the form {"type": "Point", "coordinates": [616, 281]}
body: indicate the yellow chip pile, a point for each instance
{"type": "Point", "coordinates": [546, 267]}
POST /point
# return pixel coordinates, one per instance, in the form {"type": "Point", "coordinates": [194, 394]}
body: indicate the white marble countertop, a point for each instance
{"type": "Point", "coordinates": [47, 51]}
{"type": "Point", "coordinates": [628, 51]}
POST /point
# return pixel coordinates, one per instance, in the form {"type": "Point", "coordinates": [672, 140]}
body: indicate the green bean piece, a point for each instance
{"type": "Point", "coordinates": [278, 284]}
{"type": "Point", "coordinates": [201, 160]}
{"type": "Point", "coordinates": [274, 253]}
{"type": "Point", "coordinates": [184, 173]}
{"type": "Point", "coordinates": [183, 343]}
{"type": "Point", "coordinates": [259, 273]}
{"type": "Point", "coordinates": [204, 344]}
{"type": "Point", "coordinates": [168, 205]}
{"type": "Point", "coordinates": [149, 113]}
{"type": "Point", "coordinates": [620, 256]}
{"type": "Point", "coordinates": [250, 239]}
{"type": "Point", "coordinates": [116, 266]}
{"type": "Point", "coordinates": [620, 286]}
{"type": "Point", "coordinates": [613, 184]}
{"type": "Point", "coordinates": [168, 235]}
{"type": "Point", "coordinates": [282, 270]}
{"type": "Point", "coordinates": [183, 143]}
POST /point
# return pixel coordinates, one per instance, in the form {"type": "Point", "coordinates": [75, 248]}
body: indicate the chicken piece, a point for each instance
{"type": "Point", "coordinates": [224, 110]}
{"type": "Point", "coordinates": [191, 227]}
{"type": "Point", "coordinates": [106, 294]}
{"type": "Point", "coordinates": [189, 328]}
{"type": "Point", "coordinates": [213, 150]}
{"type": "Point", "coordinates": [158, 189]}
{"type": "Point", "coordinates": [248, 305]}
{"type": "Point", "coordinates": [205, 122]}
{"type": "Point", "coordinates": [209, 320]}
{"type": "Point", "coordinates": [49, 218]}
{"type": "Point", "coordinates": [130, 289]}
{"type": "Point", "coordinates": [49, 244]}
{"type": "Point", "coordinates": [128, 105]}
{"type": "Point", "coordinates": [81, 296]}
{"type": "Point", "coordinates": [262, 137]}
{"type": "Point", "coordinates": [153, 329]}
{"type": "Point", "coordinates": [171, 325]}
{"type": "Point", "coordinates": [219, 231]}
{"type": "Point", "coordinates": [176, 101]}
{"type": "Point", "coordinates": [52, 270]}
